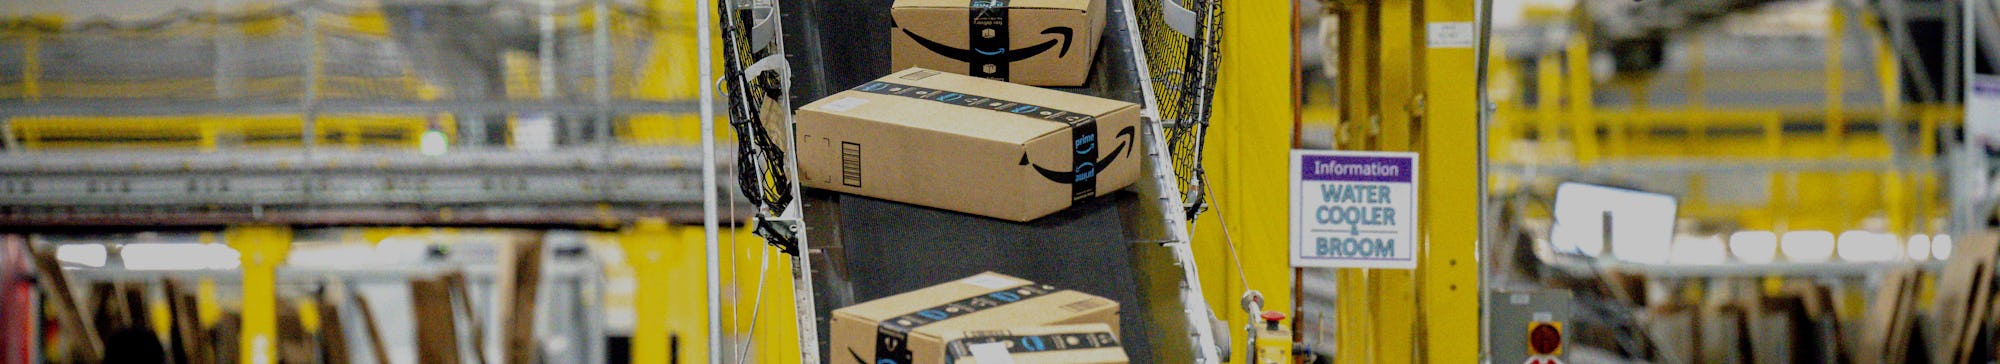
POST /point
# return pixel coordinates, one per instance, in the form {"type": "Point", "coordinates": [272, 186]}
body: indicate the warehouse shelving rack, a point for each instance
{"type": "Point", "coordinates": [1133, 247]}
{"type": "Point", "coordinates": [314, 66]}
{"type": "Point", "coordinates": [531, 114]}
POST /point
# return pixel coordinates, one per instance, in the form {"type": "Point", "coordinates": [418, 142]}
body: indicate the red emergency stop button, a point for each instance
{"type": "Point", "coordinates": [1545, 338]}
{"type": "Point", "coordinates": [1271, 319]}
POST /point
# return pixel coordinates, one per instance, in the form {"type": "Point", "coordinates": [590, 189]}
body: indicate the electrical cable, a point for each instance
{"type": "Point", "coordinates": [757, 305]}
{"type": "Point", "coordinates": [1219, 219]}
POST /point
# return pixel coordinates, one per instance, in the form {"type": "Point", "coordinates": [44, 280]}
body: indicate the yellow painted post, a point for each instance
{"type": "Point", "coordinates": [645, 245]}
{"type": "Point", "coordinates": [1447, 267]}
{"type": "Point", "coordinates": [1548, 103]}
{"type": "Point", "coordinates": [262, 249]}
{"type": "Point", "coordinates": [1581, 118]}
{"type": "Point", "coordinates": [1356, 77]}
{"type": "Point", "coordinates": [1504, 95]}
{"type": "Point", "coordinates": [1396, 84]}
{"type": "Point", "coordinates": [1357, 83]}
{"type": "Point", "coordinates": [1392, 293]}
{"type": "Point", "coordinates": [1248, 151]}
{"type": "Point", "coordinates": [207, 310]}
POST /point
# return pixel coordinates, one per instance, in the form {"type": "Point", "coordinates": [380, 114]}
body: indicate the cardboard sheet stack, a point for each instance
{"type": "Point", "coordinates": [986, 318]}
{"type": "Point", "coordinates": [110, 321]}
{"type": "Point", "coordinates": [1963, 307]}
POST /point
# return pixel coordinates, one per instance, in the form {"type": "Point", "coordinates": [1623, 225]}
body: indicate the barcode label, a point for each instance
{"type": "Point", "coordinates": [850, 164]}
{"type": "Point", "coordinates": [1086, 304]}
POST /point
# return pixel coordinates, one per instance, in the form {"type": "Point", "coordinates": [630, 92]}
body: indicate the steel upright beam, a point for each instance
{"type": "Point", "coordinates": [262, 249]}
{"type": "Point", "coordinates": [1447, 266]}
{"type": "Point", "coordinates": [1425, 100]}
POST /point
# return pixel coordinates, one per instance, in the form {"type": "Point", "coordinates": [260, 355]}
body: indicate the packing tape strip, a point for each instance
{"type": "Point", "coordinates": [988, 38]}
{"type": "Point", "coordinates": [892, 336]}
{"type": "Point", "coordinates": [1082, 176]}
{"type": "Point", "coordinates": [1017, 344]}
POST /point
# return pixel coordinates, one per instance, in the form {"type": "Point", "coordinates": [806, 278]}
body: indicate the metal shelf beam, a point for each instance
{"type": "Point", "coordinates": [565, 186]}
{"type": "Point", "coordinates": [155, 107]}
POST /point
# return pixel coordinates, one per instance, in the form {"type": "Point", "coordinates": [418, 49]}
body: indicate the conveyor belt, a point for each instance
{"type": "Point", "coordinates": [1118, 246]}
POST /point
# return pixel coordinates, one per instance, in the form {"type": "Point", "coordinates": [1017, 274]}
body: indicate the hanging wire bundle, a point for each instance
{"type": "Point", "coordinates": [1183, 69]}
{"type": "Point", "coordinates": [760, 161]}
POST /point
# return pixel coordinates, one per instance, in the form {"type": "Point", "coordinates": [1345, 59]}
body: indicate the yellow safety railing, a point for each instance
{"type": "Point", "coordinates": [1563, 127]}
{"type": "Point", "coordinates": [660, 71]}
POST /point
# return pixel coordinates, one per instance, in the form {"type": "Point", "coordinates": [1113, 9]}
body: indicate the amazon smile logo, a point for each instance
{"type": "Point", "coordinates": [1087, 170]}
{"type": "Point", "coordinates": [1001, 54]}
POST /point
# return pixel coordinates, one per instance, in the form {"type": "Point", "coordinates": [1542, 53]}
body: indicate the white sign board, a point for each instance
{"type": "Point", "coordinates": [1982, 112]}
{"type": "Point", "coordinates": [1354, 209]}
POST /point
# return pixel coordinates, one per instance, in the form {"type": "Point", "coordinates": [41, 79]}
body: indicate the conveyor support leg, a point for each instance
{"type": "Point", "coordinates": [262, 249]}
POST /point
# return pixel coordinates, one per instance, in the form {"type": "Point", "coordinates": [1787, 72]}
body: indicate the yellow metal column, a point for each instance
{"type": "Point", "coordinates": [1428, 103]}
{"type": "Point", "coordinates": [1356, 76]}
{"type": "Point", "coordinates": [1248, 152]}
{"type": "Point", "coordinates": [262, 249]}
{"type": "Point", "coordinates": [1582, 118]}
{"type": "Point", "coordinates": [645, 245]}
{"type": "Point", "coordinates": [1447, 267]}
{"type": "Point", "coordinates": [1378, 307]}
{"type": "Point", "coordinates": [1357, 84]}
{"type": "Point", "coordinates": [1397, 84]}
{"type": "Point", "coordinates": [1548, 104]}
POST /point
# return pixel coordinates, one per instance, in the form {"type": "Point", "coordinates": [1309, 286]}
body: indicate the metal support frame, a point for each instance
{"type": "Point", "coordinates": [710, 245]}
{"type": "Point", "coordinates": [355, 187]}
{"type": "Point", "coordinates": [1448, 280]}
{"type": "Point", "coordinates": [263, 248]}
{"type": "Point", "coordinates": [1421, 96]}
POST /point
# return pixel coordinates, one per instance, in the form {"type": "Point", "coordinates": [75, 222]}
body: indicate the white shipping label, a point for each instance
{"type": "Point", "coordinates": [1451, 35]}
{"type": "Point", "coordinates": [991, 353]}
{"type": "Point", "coordinates": [844, 104]}
{"type": "Point", "coordinates": [990, 282]}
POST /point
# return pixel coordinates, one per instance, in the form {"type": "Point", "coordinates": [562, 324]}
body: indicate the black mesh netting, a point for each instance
{"type": "Point", "coordinates": [754, 103]}
{"type": "Point", "coordinates": [1183, 71]}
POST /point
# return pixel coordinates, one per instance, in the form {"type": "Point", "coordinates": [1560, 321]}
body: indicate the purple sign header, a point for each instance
{"type": "Point", "coordinates": [1355, 168]}
{"type": "Point", "coordinates": [1986, 86]}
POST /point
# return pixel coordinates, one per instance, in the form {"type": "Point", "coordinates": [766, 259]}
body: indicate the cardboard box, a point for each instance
{"type": "Point", "coordinates": [1030, 42]}
{"type": "Point", "coordinates": [917, 327]}
{"type": "Point", "coordinates": [967, 144]}
{"type": "Point", "coordinates": [1065, 344]}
